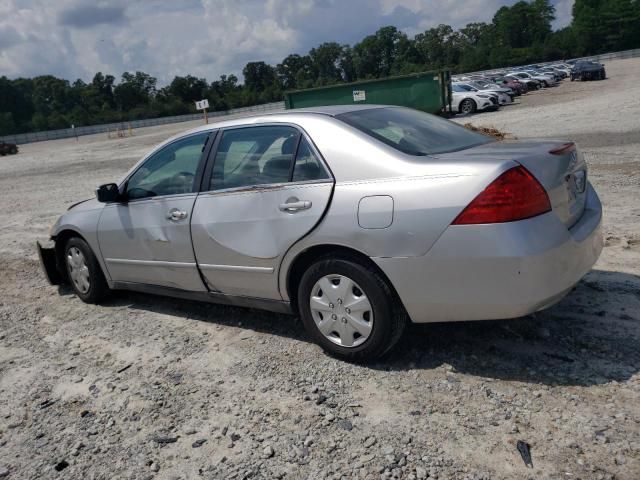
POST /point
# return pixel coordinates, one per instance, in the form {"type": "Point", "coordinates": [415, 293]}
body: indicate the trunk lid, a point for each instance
{"type": "Point", "coordinates": [563, 175]}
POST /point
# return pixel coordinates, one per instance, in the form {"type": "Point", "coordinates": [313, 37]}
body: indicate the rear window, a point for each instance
{"type": "Point", "coordinates": [413, 132]}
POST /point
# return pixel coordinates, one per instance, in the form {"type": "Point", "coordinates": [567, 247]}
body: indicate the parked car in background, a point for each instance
{"type": "Point", "coordinates": [494, 96]}
{"type": "Point", "coordinates": [558, 74]}
{"type": "Point", "coordinates": [357, 218]}
{"type": "Point", "coordinates": [532, 83]}
{"type": "Point", "coordinates": [588, 70]}
{"type": "Point", "coordinates": [470, 100]}
{"type": "Point", "coordinates": [504, 94]}
{"type": "Point", "coordinates": [564, 65]}
{"type": "Point", "coordinates": [564, 68]}
{"type": "Point", "coordinates": [547, 79]}
{"type": "Point", "coordinates": [7, 148]}
{"type": "Point", "coordinates": [514, 84]}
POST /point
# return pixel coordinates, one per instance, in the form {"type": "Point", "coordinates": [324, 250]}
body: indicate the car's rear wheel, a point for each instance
{"type": "Point", "coordinates": [349, 310]}
{"type": "Point", "coordinates": [468, 106]}
{"type": "Point", "coordinates": [13, 150]}
{"type": "Point", "coordinates": [84, 272]}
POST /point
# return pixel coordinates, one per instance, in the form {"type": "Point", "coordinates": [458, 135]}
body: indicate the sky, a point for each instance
{"type": "Point", "coordinates": [207, 38]}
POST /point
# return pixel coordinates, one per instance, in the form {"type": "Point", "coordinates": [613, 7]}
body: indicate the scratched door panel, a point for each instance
{"type": "Point", "coordinates": [148, 241]}
{"type": "Point", "coordinates": [240, 237]}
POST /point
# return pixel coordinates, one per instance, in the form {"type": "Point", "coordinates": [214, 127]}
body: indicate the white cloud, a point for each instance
{"type": "Point", "coordinates": [563, 13]}
{"type": "Point", "coordinates": [76, 38]}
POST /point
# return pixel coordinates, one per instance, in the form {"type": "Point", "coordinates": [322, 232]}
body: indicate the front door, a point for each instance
{"type": "Point", "coordinates": [146, 239]}
{"type": "Point", "coordinates": [267, 189]}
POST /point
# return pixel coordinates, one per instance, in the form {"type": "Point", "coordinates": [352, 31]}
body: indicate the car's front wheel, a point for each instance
{"type": "Point", "coordinates": [349, 310]}
{"type": "Point", "coordinates": [468, 106]}
{"type": "Point", "coordinates": [84, 272]}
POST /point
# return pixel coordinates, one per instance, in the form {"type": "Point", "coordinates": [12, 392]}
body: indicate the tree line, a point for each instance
{"type": "Point", "coordinates": [518, 34]}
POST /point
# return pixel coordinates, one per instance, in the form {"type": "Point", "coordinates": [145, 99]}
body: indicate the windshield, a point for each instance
{"type": "Point", "coordinates": [413, 132]}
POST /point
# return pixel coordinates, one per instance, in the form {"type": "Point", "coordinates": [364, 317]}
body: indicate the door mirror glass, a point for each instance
{"type": "Point", "coordinates": [108, 193]}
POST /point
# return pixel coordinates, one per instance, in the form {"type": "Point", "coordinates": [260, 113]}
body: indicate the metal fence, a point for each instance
{"type": "Point", "coordinates": [613, 56]}
{"type": "Point", "coordinates": [598, 58]}
{"type": "Point", "coordinates": [22, 138]}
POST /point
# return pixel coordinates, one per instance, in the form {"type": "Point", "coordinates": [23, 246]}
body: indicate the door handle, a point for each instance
{"type": "Point", "coordinates": [293, 207]}
{"type": "Point", "coordinates": [175, 214]}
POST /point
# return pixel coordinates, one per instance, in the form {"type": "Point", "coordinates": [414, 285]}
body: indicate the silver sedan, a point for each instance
{"type": "Point", "coordinates": [357, 218]}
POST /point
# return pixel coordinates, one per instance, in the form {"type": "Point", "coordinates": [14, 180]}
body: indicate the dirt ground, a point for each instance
{"type": "Point", "coordinates": [147, 387]}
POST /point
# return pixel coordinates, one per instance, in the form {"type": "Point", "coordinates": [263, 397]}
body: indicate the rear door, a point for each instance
{"type": "Point", "coordinates": [266, 188]}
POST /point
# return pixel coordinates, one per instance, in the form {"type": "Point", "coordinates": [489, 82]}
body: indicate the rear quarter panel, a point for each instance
{"type": "Point", "coordinates": [423, 207]}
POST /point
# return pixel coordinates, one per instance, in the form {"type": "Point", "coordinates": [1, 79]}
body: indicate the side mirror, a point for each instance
{"type": "Point", "coordinates": [108, 193]}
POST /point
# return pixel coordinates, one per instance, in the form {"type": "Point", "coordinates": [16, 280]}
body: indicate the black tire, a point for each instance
{"type": "Point", "coordinates": [98, 288]}
{"type": "Point", "coordinates": [13, 150]}
{"type": "Point", "coordinates": [389, 317]}
{"type": "Point", "coordinates": [471, 105]}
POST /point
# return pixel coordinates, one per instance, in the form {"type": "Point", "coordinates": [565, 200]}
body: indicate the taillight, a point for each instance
{"type": "Point", "coordinates": [563, 149]}
{"type": "Point", "coordinates": [514, 195]}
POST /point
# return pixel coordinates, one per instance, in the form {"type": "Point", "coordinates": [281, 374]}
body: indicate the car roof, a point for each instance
{"type": "Point", "coordinates": [279, 116]}
{"type": "Point", "coordinates": [334, 110]}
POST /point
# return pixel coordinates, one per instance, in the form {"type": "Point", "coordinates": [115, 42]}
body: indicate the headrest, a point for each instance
{"type": "Point", "coordinates": [289, 145]}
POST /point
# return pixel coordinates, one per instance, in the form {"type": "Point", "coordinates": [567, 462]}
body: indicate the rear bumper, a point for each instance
{"type": "Point", "coordinates": [49, 264]}
{"type": "Point", "coordinates": [498, 271]}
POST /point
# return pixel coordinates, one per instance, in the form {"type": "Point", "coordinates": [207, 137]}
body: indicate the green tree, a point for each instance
{"type": "Point", "coordinates": [295, 71]}
{"type": "Point", "coordinates": [134, 90]}
{"type": "Point", "coordinates": [325, 63]}
{"type": "Point", "coordinates": [259, 76]}
{"type": "Point", "coordinates": [378, 55]}
{"type": "Point", "coordinates": [16, 106]}
{"type": "Point", "coordinates": [440, 47]}
{"type": "Point", "coordinates": [605, 25]}
{"type": "Point", "coordinates": [189, 89]}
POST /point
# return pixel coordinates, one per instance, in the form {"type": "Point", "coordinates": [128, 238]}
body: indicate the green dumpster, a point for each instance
{"type": "Point", "coordinates": [426, 91]}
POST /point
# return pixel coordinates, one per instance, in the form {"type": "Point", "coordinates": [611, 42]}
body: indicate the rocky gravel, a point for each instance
{"type": "Point", "coordinates": [147, 387]}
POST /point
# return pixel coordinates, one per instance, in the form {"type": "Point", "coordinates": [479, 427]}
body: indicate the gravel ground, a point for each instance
{"type": "Point", "coordinates": [147, 387]}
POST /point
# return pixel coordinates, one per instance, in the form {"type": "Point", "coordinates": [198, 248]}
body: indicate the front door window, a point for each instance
{"type": "Point", "coordinates": [170, 171]}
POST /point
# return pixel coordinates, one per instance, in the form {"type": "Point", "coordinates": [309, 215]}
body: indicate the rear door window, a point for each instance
{"type": "Point", "coordinates": [254, 156]}
{"type": "Point", "coordinates": [308, 166]}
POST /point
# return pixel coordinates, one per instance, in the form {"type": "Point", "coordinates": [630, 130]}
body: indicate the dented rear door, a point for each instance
{"type": "Point", "coordinates": [240, 233]}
